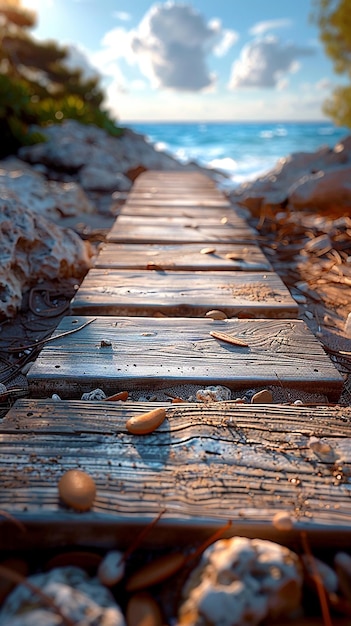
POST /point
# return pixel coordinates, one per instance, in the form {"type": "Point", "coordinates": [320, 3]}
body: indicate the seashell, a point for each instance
{"type": "Point", "coordinates": [147, 422]}
{"type": "Point", "coordinates": [216, 315]}
{"type": "Point", "coordinates": [111, 569]}
{"type": "Point", "coordinates": [121, 395]}
{"type": "Point", "coordinates": [77, 490]}
{"type": "Point", "coordinates": [262, 397]}
{"type": "Point", "coordinates": [156, 571]}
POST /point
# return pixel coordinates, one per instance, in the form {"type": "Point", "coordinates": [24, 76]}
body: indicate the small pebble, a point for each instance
{"type": "Point", "coordinates": [96, 394]}
{"type": "Point", "coordinates": [213, 394]}
{"type": "Point", "coordinates": [262, 397]}
{"type": "Point", "coordinates": [282, 521]}
{"type": "Point", "coordinates": [216, 315]}
{"type": "Point", "coordinates": [309, 315]}
{"type": "Point", "coordinates": [111, 568]}
{"type": "Point", "coordinates": [77, 490]}
{"type": "Point", "coordinates": [297, 402]}
{"type": "Point", "coordinates": [56, 397]}
{"type": "Point", "coordinates": [25, 369]}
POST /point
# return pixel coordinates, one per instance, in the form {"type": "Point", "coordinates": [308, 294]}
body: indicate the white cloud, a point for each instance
{"type": "Point", "coordinates": [122, 15]}
{"type": "Point", "coordinates": [230, 37]}
{"type": "Point", "coordinates": [265, 62]}
{"type": "Point", "coordinates": [263, 27]}
{"type": "Point", "coordinates": [171, 46]}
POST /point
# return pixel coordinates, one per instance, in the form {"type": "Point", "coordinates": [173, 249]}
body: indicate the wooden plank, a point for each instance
{"type": "Point", "coordinates": [157, 353]}
{"type": "Point", "coordinates": [184, 258]}
{"type": "Point", "coordinates": [178, 200]}
{"type": "Point", "coordinates": [163, 177]}
{"type": "Point", "coordinates": [187, 294]}
{"type": "Point", "coordinates": [195, 213]}
{"type": "Point", "coordinates": [204, 221]}
{"type": "Point", "coordinates": [156, 230]}
{"type": "Point", "coordinates": [205, 464]}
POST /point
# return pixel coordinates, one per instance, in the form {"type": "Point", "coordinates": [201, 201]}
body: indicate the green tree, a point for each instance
{"type": "Point", "coordinates": [36, 87]}
{"type": "Point", "coordinates": [333, 18]}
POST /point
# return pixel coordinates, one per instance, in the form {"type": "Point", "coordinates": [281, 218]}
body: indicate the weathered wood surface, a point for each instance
{"type": "Point", "coordinates": [162, 179]}
{"type": "Point", "coordinates": [187, 294]}
{"type": "Point", "coordinates": [176, 200]}
{"type": "Point", "coordinates": [186, 258]}
{"type": "Point", "coordinates": [205, 221]}
{"type": "Point", "coordinates": [179, 230]}
{"type": "Point", "coordinates": [204, 465]}
{"type": "Point", "coordinates": [157, 353]}
{"type": "Point", "coordinates": [196, 213]}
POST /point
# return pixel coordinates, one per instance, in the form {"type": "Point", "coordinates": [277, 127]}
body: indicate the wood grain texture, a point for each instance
{"type": "Point", "coordinates": [186, 294]}
{"type": "Point", "coordinates": [196, 213]}
{"type": "Point", "coordinates": [182, 257]}
{"type": "Point", "coordinates": [196, 200]}
{"type": "Point", "coordinates": [157, 230]}
{"type": "Point", "coordinates": [156, 353]}
{"type": "Point", "coordinates": [230, 221]}
{"type": "Point", "coordinates": [204, 465]}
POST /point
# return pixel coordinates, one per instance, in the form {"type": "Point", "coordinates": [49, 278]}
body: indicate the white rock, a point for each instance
{"type": "Point", "coordinates": [213, 394]}
{"type": "Point", "coordinates": [240, 582]}
{"type": "Point", "coordinates": [81, 599]}
{"type": "Point", "coordinates": [111, 569]}
{"type": "Point", "coordinates": [34, 249]}
{"type": "Point", "coordinates": [96, 394]}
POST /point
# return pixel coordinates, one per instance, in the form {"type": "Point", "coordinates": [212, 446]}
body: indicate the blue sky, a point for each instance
{"type": "Point", "coordinates": [197, 60]}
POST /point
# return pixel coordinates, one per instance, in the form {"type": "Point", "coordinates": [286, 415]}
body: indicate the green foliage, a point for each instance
{"type": "Point", "coordinates": [36, 87]}
{"type": "Point", "coordinates": [333, 18]}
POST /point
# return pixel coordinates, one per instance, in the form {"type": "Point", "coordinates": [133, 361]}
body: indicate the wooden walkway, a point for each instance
{"type": "Point", "coordinates": [177, 251]}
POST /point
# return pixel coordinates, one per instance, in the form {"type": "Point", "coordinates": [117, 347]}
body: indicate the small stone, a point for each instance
{"type": "Point", "coordinates": [262, 397]}
{"type": "Point", "coordinates": [216, 315]}
{"type": "Point", "coordinates": [309, 315]}
{"type": "Point", "coordinates": [213, 394]}
{"type": "Point", "coordinates": [111, 568]}
{"type": "Point", "coordinates": [282, 521]}
{"type": "Point", "coordinates": [298, 402]}
{"type": "Point", "coordinates": [55, 397]}
{"type": "Point", "coordinates": [96, 394]}
{"type": "Point", "coordinates": [77, 490]}
{"type": "Point", "coordinates": [105, 343]}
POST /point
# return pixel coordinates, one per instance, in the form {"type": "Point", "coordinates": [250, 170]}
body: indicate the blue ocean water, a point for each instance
{"type": "Point", "coordinates": [243, 150]}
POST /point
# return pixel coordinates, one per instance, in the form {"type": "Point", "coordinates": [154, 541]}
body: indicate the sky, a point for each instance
{"type": "Point", "coordinates": [196, 60]}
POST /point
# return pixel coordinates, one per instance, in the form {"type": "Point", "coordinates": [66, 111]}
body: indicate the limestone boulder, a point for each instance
{"type": "Point", "coordinates": [94, 178]}
{"type": "Point", "coordinates": [296, 179]}
{"type": "Point", "coordinates": [34, 249]}
{"type": "Point", "coordinates": [324, 190]}
{"type": "Point", "coordinates": [72, 147]}
{"type": "Point", "coordinates": [49, 198]}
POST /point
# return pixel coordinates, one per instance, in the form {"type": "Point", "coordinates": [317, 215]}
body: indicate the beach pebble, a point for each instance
{"type": "Point", "coordinates": [81, 599]}
{"type": "Point", "coordinates": [213, 394]}
{"type": "Point", "coordinates": [262, 397]}
{"type": "Point", "coordinates": [96, 394]}
{"type": "Point", "coordinates": [216, 315]}
{"type": "Point", "coordinates": [3, 389]}
{"type": "Point", "coordinates": [77, 490]}
{"type": "Point", "coordinates": [240, 582]}
{"type": "Point", "coordinates": [55, 397]}
{"type": "Point", "coordinates": [111, 569]}
{"type": "Point", "coordinates": [282, 521]}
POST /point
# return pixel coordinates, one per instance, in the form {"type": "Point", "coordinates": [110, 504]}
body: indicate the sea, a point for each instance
{"type": "Point", "coordinates": [241, 150]}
